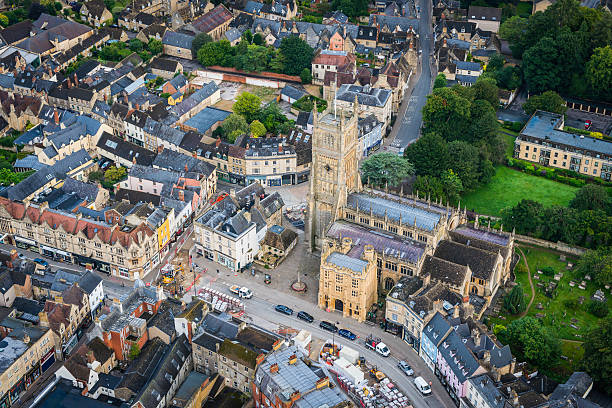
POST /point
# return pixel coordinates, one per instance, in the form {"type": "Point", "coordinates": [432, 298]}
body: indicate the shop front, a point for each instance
{"type": "Point", "coordinates": [47, 361]}
{"type": "Point", "coordinates": [26, 243]}
{"type": "Point", "coordinates": [31, 376]}
{"type": "Point", "coordinates": [413, 341]}
{"type": "Point", "coordinates": [94, 263]}
{"type": "Point", "coordinates": [56, 254]}
{"type": "Point", "coordinates": [302, 177]}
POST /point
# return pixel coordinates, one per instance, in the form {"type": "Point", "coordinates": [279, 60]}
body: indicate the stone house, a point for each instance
{"type": "Point", "coordinates": [95, 13]}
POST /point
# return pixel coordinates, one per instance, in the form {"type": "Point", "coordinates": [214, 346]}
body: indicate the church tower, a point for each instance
{"type": "Point", "coordinates": [334, 172]}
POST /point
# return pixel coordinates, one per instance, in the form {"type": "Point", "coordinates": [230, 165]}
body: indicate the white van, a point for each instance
{"type": "Point", "coordinates": [422, 385]}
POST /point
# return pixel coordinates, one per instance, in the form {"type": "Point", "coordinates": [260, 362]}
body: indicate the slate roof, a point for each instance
{"type": "Point", "coordinates": [468, 66]}
{"type": "Point", "coordinates": [271, 204]}
{"type": "Point", "coordinates": [444, 271]}
{"type": "Point", "coordinates": [292, 92]}
{"type": "Point", "coordinates": [89, 281]}
{"type": "Point", "coordinates": [233, 34]}
{"type": "Point", "coordinates": [279, 237]}
{"type": "Point", "coordinates": [125, 150]}
{"type": "Point", "coordinates": [194, 99]}
{"type": "Point", "coordinates": [436, 328]}
{"type": "Point", "coordinates": [157, 175]}
{"type": "Point", "coordinates": [213, 19]}
{"type": "Point", "coordinates": [49, 28]}
{"type": "Point", "coordinates": [482, 263]}
{"type": "Point", "coordinates": [164, 64]}
{"type": "Point", "coordinates": [484, 13]}
{"type": "Point", "coordinates": [28, 162]}
{"type": "Point", "coordinates": [366, 95]}
{"type": "Point", "coordinates": [135, 197]}
{"type": "Point", "coordinates": [206, 118]}
{"type": "Point", "coordinates": [16, 32]}
{"type": "Point", "coordinates": [459, 358]}
{"type": "Point", "coordinates": [410, 212]}
{"type": "Point", "coordinates": [344, 261]}
{"type": "Point", "coordinates": [177, 39]}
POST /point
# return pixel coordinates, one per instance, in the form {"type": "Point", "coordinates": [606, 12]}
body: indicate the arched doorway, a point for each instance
{"type": "Point", "coordinates": [339, 305]}
{"type": "Point", "coordinates": [389, 283]}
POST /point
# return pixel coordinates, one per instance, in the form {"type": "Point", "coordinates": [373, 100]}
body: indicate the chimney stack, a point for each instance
{"type": "Point", "coordinates": [56, 116]}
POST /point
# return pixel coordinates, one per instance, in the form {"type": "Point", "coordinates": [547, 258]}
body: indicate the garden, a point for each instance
{"type": "Point", "coordinates": [508, 187]}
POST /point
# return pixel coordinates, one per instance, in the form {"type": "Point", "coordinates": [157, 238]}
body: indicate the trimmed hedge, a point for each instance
{"type": "Point", "coordinates": [564, 176]}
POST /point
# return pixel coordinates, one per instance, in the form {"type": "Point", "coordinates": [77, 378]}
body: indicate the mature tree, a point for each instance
{"type": "Point", "coordinates": [199, 41]}
{"type": "Point", "coordinates": [247, 36]}
{"type": "Point", "coordinates": [446, 113]}
{"type": "Point", "coordinates": [429, 155]}
{"type": "Point", "coordinates": [484, 125]}
{"type": "Point", "coordinates": [530, 340]}
{"type": "Point", "coordinates": [512, 30]}
{"type": "Point", "coordinates": [597, 359]}
{"type": "Point", "coordinates": [352, 8]}
{"type": "Point", "coordinates": [216, 53]}
{"type": "Point", "coordinates": [463, 159]}
{"type": "Point", "coordinates": [526, 216]}
{"type": "Point", "coordinates": [486, 89]}
{"type": "Point", "coordinates": [385, 169]}
{"type": "Point", "coordinates": [234, 125]}
{"type": "Point", "coordinates": [496, 62]}
{"type": "Point", "coordinates": [429, 186]}
{"type": "Point", "coordinates": [440, 81]}
{"type": "Point", "coordinates": [258, 39]}
{"type": "Point", "coordinates": [599, 73]}
{"type": "Point", "coordinates": [306, 76]}
{"type": "Point", "coordinates": [541, 66]}
{"type": "Point", "coordinates": [257, 129]}
{"type": "Point", "coordinates": [136, 45]}
{"type": "Point", "coordinates": [255, 58]}
{"type": "Point", "coordinates": [273, 118]}
{"type": "Point", "coordinates": [134, 351]}
{"type": "Point", "coordinates": [296, 54]}
{"type": "Point", "coordinates": [549, 101]}
{"type": "Point", "coordinates": [592, 197]}
{"type": "Point", "coordinates": [114, 174]}
{"type": "Point", "coordinates": [573, 50]}
{"type": "Point", "coordinates": [452, 185]}
{"type": "Point", "coordinates": [514, 302]}
{"type": "Point", "coordinates": [248, 105]}
{"type": "Point", "coordinates": [508, 77]}
{"type": "Point", "coordinates": [156, 47]}
{"type": "Point", "coordinates": [597, 264]}
{"type": "Point", "coordinates": [4, 21]}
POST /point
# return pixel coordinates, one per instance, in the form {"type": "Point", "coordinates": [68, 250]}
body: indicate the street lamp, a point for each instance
{"type": "Point", "coordinates": [333, 337]}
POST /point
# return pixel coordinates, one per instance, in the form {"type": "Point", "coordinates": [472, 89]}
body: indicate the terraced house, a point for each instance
{"type": "Point", "coordinates": [119, 250]}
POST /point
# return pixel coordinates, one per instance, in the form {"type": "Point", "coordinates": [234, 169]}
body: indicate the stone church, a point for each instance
{"type": "Point", "coordinates": [369, 239]}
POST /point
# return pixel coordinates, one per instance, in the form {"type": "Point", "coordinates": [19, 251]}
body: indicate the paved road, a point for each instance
{"type": "Point", "coordinates": [260, 310]}
{"type": "Point", "coordinates": [408, 123]}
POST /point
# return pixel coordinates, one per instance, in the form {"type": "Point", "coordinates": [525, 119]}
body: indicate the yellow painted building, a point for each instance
{"type": "Point", "coordinates": [176, 98]}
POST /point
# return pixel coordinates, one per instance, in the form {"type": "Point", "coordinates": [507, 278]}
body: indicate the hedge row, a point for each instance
{"type": "Point", "coordinates": [564, 176]}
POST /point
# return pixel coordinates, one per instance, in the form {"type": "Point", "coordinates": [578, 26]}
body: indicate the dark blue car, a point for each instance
{"type": "Point", "coordinates": [347, 334]}
{"type": "Point", "coordinates": [41, 261]}
{"type": "Point", "coordinates": [284, 309]}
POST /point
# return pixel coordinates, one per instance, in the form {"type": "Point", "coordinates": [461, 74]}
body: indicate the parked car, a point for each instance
{"type": "Point", "coordinates": [405, 367]}
{"type": "Point", "coordinates": [41, 261]}
{"type": "Point", "coordinates": [587, 124]}
{"type": "Point", "coordinates": [305, 316]}
{"type": "Point", "coordinates": [422, 385]}
{"type": "Point", "coordinates": [328, 326]}
{"type": "Point", "coordinates": [21, 256]}
{"type": "Point", "coordinates": [347, 334]}
{"type": "Point", "coordinates": [284, 309]}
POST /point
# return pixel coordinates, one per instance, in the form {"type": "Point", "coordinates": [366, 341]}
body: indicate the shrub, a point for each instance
{"type": "Point", "coordinates": [514, 302]}
{"type": "Point", "coordinates": [548, 270]}
{"type": "Point", "coordinates": [599, 309]}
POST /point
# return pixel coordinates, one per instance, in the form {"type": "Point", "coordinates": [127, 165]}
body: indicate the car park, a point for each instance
{"type": "Point", "coordinates": [405, 367]}
{"type": "Point", "coordinates": [284, 309]}
{"type": "Point", "coordinates": [347, 334]}
{"type": "Point", "coordinates": [325, 325]}
{"type": "Point", "coordinates": [305, 316]}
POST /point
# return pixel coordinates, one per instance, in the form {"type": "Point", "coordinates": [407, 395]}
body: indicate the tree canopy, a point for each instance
{"type": "Point", "coordinates": [199, 41]}
{"type": "Point", "coordinates": [531, 341]}
{"type": "Point", "coordinates": [257, 129]}
{"type": "Point", "coordinates": [597, 359]}
{"type": "Point", "coordinates": [592, 197]}
{"type": "Point", "coordinates": [598, 264]}
{"type": "Point", "coordinates": [385, 169]}
{"type": "Point", "coordinates": [296, 55]}
{"type": "Point", "coordinates": [549, 101]}
{"type": "Point", "coordinates": [247, 105]}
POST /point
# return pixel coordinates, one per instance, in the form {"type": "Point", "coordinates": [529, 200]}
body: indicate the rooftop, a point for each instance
{"type": "Point", "coordinates": [344, 261]}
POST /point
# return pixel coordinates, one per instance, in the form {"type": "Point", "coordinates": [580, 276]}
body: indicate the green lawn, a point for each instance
{"type": "Point", "coordinates": [509, 186]}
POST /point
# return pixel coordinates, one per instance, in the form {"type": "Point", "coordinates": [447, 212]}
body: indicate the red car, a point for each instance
{"type": "Point", "coordinates": [587, 124]}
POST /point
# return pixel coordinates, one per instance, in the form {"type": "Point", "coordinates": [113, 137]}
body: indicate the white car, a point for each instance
{"type": "Point", "coordinates": [422, 385]}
